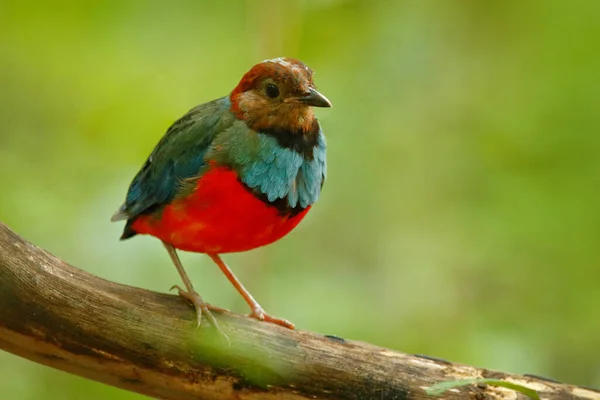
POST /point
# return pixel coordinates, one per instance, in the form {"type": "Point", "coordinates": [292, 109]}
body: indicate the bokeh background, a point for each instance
{"type": "Point", "coordinates": [460, 218]}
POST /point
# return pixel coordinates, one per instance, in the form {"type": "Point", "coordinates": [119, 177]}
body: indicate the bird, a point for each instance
{"type": "Point", "coordinates": [234, 174]}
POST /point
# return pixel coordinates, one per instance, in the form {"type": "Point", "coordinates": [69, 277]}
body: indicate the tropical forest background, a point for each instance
{"type": "Point", "coordinates": [461, 216]}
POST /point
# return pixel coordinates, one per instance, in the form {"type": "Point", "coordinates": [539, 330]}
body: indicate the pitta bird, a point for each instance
{"type": "Point", "coordinates": [234, 174]}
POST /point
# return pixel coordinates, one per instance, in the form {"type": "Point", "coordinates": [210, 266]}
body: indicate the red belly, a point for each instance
{"type": "Point", "coordinates": [220, 216]}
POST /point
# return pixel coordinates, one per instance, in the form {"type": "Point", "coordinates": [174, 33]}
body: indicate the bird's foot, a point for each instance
{"type": "Point", "coordinates": [202, 308]}
{"type": "Point", "coordinates": [261, 315]}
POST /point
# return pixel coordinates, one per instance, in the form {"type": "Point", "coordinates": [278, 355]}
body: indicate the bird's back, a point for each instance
{"type": "Point", "coordinates": [178, 156]}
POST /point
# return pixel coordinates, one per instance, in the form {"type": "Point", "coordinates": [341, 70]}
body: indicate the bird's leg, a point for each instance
{"type": "Point", "coordinates": [190, 294]}
{"type": "Point", "coordinates": [257, 311]}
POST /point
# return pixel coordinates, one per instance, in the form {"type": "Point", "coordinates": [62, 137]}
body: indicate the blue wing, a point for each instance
{"type": "Point", "coordinates": [179, 155]}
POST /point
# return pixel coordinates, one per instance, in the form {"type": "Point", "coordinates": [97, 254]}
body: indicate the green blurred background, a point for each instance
{"type": "Point", "coordinates": [460, 217]}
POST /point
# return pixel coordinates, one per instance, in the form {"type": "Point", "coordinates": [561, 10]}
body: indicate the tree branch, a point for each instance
{"type": "Point", "coordinates": [57, 315]}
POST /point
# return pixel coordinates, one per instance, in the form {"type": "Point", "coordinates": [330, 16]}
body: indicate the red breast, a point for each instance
{"type": "Point", "coordinates": [219, 216]}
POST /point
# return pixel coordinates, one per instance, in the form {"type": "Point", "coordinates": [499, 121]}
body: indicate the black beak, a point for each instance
{"type": "Point", "coordinates": [314, 98]}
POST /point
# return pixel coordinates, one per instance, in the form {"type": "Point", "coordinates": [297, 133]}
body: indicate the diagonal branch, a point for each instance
{"type": "Point", "coordinates": [55, 314]}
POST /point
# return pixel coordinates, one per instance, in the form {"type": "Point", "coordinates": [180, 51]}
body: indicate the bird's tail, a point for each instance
{"type": "Point", "coordinates": [121, 214]}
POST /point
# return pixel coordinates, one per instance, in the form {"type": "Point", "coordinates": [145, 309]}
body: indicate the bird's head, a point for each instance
{"type": "Point", "coordinates": [277, 94]}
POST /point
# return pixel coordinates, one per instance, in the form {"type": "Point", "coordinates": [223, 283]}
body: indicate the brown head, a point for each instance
{"type": "Point", "coordinates": [277, 94]}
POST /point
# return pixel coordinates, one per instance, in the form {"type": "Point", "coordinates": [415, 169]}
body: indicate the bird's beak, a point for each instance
{"type": "Point", "coordinates": [313, 98]}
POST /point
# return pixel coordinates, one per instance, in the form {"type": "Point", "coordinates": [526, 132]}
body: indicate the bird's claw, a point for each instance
{"type": "Point", "coordinates": [202, 308]}
{"type": "Point", "coordinates": [183, 293]}
{"type": "Point", "coordinates": [260, 314]}
{"type": "Point", "coordinates": [179, 289]}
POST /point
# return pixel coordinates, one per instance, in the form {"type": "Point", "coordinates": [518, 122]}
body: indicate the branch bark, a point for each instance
{"type": "Point", "coordinates": [57, 315]}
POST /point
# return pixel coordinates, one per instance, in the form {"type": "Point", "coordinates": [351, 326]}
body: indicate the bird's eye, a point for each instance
{"type": "Point", "coordinates": [271, 90]}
